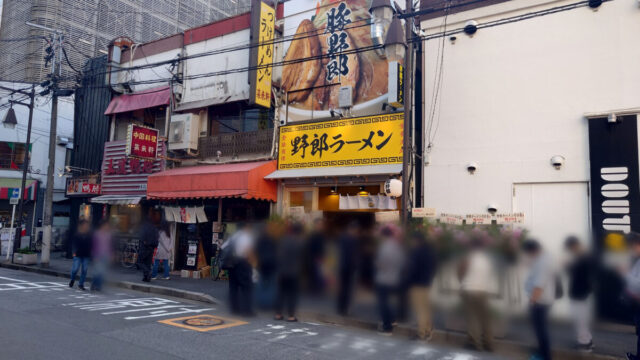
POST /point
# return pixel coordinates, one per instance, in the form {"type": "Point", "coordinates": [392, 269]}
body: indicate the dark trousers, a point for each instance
{"type": "Point", "coordinates": [287, 295]}
{"type": "Point", "coordinates": [384, 294]}
{"type": "Point", "coordinates": [344, 292]}
{"type": "Point", "coordinates": [539, 320]}
{"type": "Point", "coordinates": [636, 321]}
{"type": "Point", "coordinates": [241, 288]}
{"type": "Point", "coordinates": [145, 265]}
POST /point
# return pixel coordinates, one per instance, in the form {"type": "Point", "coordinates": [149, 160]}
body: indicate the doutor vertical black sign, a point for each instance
{"type": "Point", "coordinates": [615, 200]}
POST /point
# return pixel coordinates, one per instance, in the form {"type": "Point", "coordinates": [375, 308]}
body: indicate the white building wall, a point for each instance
{"type": "Point", "coordinates": [158, 75]}
{"type": "Point", "coordinates": [514, 95]}
{"type": "Point", "coordinates": [226, 87]}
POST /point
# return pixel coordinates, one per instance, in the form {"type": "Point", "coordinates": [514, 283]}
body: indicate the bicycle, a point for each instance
{"type": "Point", "coordinates": [128, 253]}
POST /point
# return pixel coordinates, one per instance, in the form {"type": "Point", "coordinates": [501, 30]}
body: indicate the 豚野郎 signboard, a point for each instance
{"type": "Point", "coordinates": [142, 142]}
{"type": "Point", "coordinates": [368, 140]}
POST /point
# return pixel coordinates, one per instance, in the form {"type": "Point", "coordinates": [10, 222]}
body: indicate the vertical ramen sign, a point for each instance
{"type": "Point", "coordinates": [263, 19]}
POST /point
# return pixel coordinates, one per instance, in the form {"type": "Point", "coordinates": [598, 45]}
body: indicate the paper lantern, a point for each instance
{"type": "Point", "coordinates": [393, 187]}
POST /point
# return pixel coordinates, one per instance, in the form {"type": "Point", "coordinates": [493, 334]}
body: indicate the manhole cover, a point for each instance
{"type": "Point", "coordinates": [203, 322]}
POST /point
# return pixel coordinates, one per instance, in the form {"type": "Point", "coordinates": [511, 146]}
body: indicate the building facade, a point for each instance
{"type": "Point", "coordinates": [89, 26]}
{"type": "Point", "coordinates": [543, 110]}
{"type": "Point", "coordinates": [13, 152]}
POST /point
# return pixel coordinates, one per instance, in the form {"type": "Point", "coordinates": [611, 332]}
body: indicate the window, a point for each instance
{"type": "Point", "coordinates": [230, 118]}
{"type": "Point", "coordinates": [12, 155]}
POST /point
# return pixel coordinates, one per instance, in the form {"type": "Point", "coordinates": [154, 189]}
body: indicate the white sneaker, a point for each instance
{"type": "Point", "coordinates": [154, 278]}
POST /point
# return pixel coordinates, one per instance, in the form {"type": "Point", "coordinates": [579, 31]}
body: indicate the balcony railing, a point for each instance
{"type": "Point", "coordinates": [236, 144]}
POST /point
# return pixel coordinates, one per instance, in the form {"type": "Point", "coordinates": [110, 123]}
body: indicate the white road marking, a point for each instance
{"type": "Point", "coordinates": [30, 285]}
{"type": "Point", "coordinates": [10, 279]}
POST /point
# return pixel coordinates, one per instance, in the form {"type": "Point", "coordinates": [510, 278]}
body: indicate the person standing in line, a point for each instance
{"type": "Point", "coordinates": [165, 246]}
{"type": "Point", "coordinates": [477, 283]}
{"type": "Point", "coordinates": [241, 271]}
{"type": "Point", "coordinates": [347, 265]}
{"type": "Point", "coordinates": [580, 271]}
{"type": "Point", "coordinates": [389, 265]}
{"type": "Point", "coordinates": [81, 247]}
{"type": "Point", "coordinates": [316, 250]}
{"type": "Point", "coordinates": [422, 270]}
{"type": "Point", "coordinates": [289, 267]}
{"type": "Point", "coordinates": [540, 286]}
{"type": "Point", "coordinates": [267, 258]}
{"type": "Point", "coordinates": [101, 252]}
{"type": "Point", "coordinates": [632, 290]}
{"type": "Point", "coordinates": [148, 243]}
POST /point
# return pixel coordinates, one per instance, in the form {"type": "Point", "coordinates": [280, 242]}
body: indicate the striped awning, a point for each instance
{"type": "Point", "coordinates": [9, 185]}
{"type": "Point", "coordinates": [116, 199]}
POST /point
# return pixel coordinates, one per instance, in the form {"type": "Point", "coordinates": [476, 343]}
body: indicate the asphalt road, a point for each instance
{"type": "Point", "coordinates": [42, 318]}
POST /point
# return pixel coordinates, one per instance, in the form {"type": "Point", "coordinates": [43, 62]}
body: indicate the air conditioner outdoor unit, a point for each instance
{"type": "Point", "coordinates": [183, 132]}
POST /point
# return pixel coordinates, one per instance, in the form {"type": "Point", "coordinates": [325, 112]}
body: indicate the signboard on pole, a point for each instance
{"type": "Point", "coordinates": [15, 196]}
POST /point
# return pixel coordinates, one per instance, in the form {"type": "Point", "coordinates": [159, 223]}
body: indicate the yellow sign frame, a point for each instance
{"type": "Point", "coordinates": [367, 140]}
{"type": "Point", "coordinates": [264, 60]}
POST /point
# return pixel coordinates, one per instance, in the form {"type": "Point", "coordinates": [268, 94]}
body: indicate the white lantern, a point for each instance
{"type": "Point", "coordinates": [393, 187]}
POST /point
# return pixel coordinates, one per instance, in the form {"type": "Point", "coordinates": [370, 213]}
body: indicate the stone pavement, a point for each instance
{"type": "Point", "coordinates": [612, 341]}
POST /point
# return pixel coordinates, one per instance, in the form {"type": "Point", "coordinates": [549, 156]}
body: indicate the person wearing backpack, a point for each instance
{"type": "Point", "coordinates": [148, 243]}
{"type": "Point", "coordinates": [542, 288]}
{"type": "Point", "coordinates": [165, 245]}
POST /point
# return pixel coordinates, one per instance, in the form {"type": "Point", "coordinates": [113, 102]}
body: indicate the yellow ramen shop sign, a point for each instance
{"type": "Point", "coordinates": [368, 140]}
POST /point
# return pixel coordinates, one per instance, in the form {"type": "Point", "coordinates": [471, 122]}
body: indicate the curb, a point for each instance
{"type": "Point", "coordinates": [152, 289]}
{"type": "Point", "coordinates": [509, 349]}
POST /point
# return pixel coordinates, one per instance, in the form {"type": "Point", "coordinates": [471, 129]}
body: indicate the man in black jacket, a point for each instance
{"type": "Point", "coordinates": [422, 270]}
{"type": "Point", "coordinates": [81, 248]}
{"type": "Point", "coordinates": [580, 271]}
{"type": "Point", "coordinates": [148, 243]}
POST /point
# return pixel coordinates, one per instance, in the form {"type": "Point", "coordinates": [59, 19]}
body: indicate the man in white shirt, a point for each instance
{"type": "Point", "coordinates": [477, 282]}
{"type": "Point", "coordinates": [240, 275]}
{"type": "Point", "coordinates": [540, 287]}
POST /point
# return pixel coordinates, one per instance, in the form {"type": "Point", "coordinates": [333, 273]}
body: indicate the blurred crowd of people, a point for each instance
{"type": "Point", "coordinates": [284, 260]}
{"type": "Point", "coordinates": [95, 248]}
{"type": "Point", "coordinates": [269, 264]}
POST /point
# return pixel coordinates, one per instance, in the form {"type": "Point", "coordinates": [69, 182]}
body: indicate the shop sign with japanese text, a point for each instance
{"type": "Point", "coordinates": [127, 175]}
{"type": "Point", "coordinates": [515, 218]}
{"type": "Point", "coordinates": [81, 187]}
{"type": "Point", "coordinates": [478, 219]}
{"type": "Point", "coordinates": [142, 142]}
{"type": "Point", "coordinates": [263, 20]}
{"type": "Point", "coordinates": [452, 219]}
{"type": "Point", "coordinates": [368, 140]}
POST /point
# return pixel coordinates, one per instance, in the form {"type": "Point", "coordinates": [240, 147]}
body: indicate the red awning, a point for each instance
{"type": "Point", "coordinates": [140, 100]}
{"type": "Point", "coordinates": [243, 180]}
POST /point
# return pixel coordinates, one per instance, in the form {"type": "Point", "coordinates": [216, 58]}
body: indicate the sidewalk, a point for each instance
{"type": "Point", "coordinates": [611, 341]}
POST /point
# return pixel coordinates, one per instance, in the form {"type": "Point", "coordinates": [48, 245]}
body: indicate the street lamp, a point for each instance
{"type": "Point", "coordinates": [381, 16]}
{"type": "Point", "coordinates": [10, 120]}
{"type": "Point", "coordinates": [395, 45]}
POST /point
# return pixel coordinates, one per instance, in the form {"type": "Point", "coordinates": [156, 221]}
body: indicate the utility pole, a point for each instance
{"type": "Point", "coordinates": [56, 64]}
{"type": "Point", "coordinates": [25, 168]}
{"type": "Point", "coordinates": [408, 107]}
